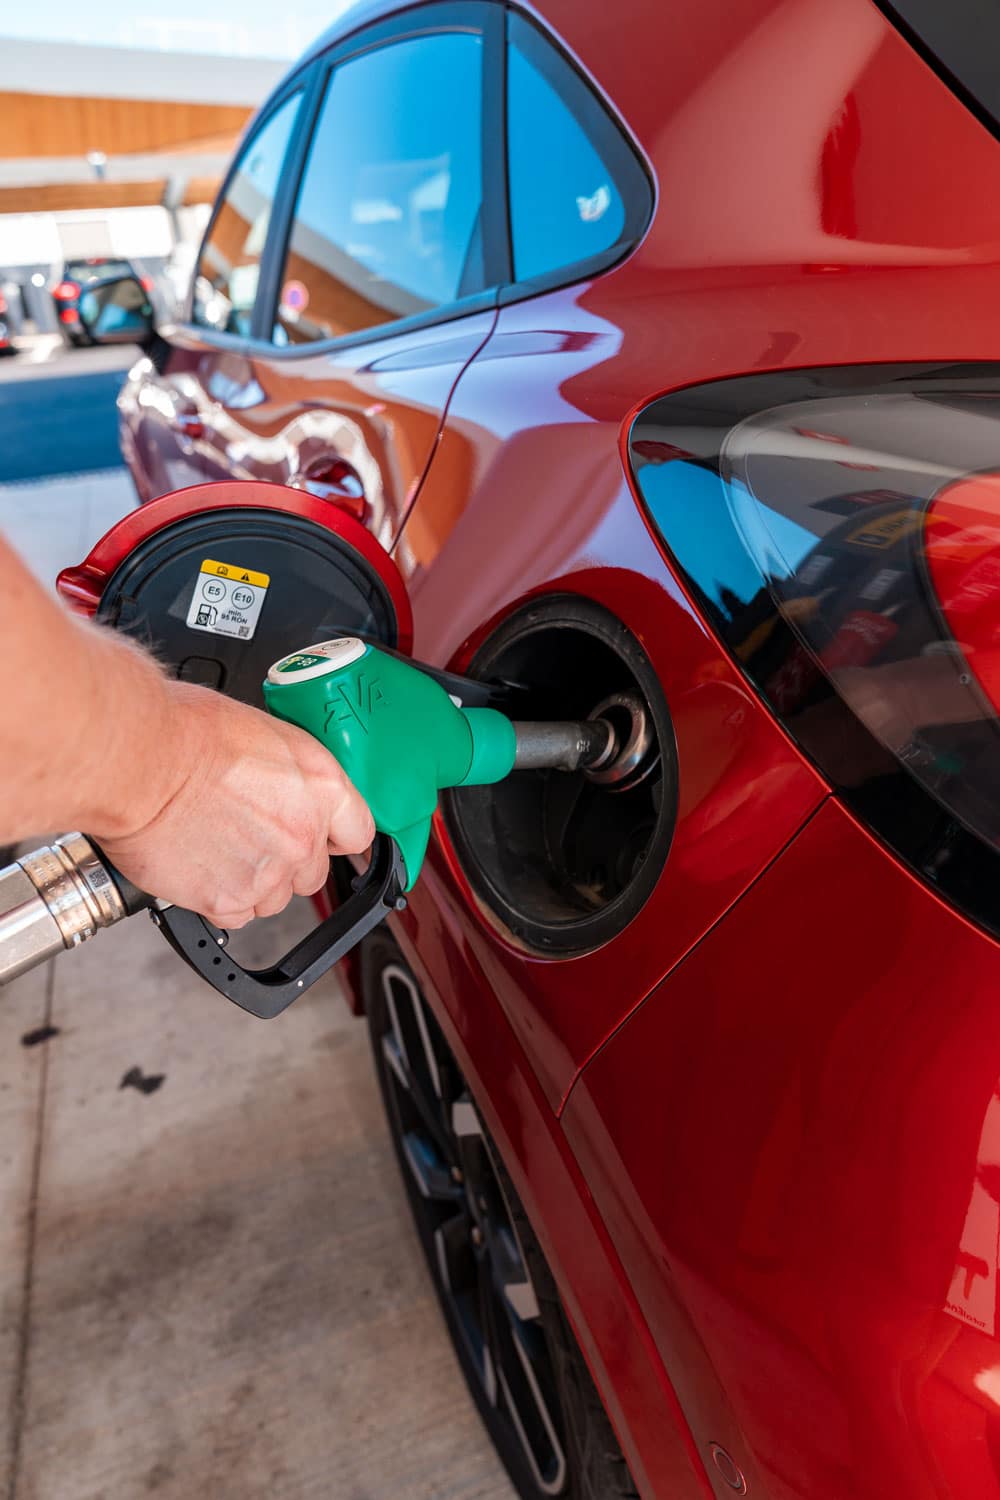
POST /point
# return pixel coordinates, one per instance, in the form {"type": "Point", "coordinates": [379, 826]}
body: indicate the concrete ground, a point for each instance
{"type": "Point", "coordinates": [209, 1285]}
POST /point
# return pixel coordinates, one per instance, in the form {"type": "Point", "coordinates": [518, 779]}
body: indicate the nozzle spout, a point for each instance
{"type": "Point", "coordinates": [563, 746]}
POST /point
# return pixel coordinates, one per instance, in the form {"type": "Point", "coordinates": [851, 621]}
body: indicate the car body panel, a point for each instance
{"type": "Point", "coordinates": [806, 1204]}
{"type": "Point", "coordinates": [209, 412]}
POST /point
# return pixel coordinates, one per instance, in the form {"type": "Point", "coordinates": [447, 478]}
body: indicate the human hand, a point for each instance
{"type": "Point", "coordinates": [253, 810]}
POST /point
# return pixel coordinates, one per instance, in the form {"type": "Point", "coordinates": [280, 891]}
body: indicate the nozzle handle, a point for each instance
{"type": "Point", "coordinates": [265, 993]}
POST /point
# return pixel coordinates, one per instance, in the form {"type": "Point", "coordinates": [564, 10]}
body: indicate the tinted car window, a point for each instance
{"type": "Point", "coordinates": [226, 278]}
{"type": "Point", "coordinates": [575, 188]}
{"type": "Point", "coordinates": [387, 219]}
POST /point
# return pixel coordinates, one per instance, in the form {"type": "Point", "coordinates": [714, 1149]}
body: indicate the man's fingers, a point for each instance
{"type": "Point", "coordinates": [270, 905]}
{"type": "Point", "coordinates": [313, 876]}
{"type": "Point", "coordinates": [230, 921]}
{"type": "Point", "coordinates": [351, 827]}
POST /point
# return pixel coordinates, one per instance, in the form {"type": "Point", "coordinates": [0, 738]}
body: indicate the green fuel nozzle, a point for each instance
{"type": "Point", "coordinates": [396, 732]}
{"type": "Point", "coordinates": [402, 738]}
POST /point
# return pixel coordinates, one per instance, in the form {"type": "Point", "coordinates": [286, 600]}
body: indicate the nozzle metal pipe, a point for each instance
{"type": "Point", "coordinates": [56, 897]}
{"type": "Point", "coordinates": [560, 746]}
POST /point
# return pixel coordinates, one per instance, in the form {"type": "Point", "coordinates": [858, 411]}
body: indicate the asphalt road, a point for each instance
{"type": "Point", "coordinates": [57, 410]}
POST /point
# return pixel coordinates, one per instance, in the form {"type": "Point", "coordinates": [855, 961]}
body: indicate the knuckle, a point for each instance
{"type": "Point", "coordinates": [269, 883]}
{"type": "Point", "coordinates": [230, 920]}
{"type": "Point", "coordinates": [310, 878]}
{"type": "Point", "coordinates": [274, 903]}
{"type": "Point", "coordinates": [305, 840]}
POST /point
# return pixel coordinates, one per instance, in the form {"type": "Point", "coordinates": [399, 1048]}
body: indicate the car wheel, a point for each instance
{"type": "Point", "coordinates": [523, 1366]}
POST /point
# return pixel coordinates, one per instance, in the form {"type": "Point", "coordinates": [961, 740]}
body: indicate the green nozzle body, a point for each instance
{"type": "Point", "coordinates": [396, 732]}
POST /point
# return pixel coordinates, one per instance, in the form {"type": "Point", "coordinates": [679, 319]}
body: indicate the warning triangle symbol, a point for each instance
{"type": "Point", "coordinates": [245, 578]}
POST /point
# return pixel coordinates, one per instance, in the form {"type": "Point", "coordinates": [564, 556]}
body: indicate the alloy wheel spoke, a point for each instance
{"type": "Point", "coordinates": [489, 1326]}
{"type": "Point", "coordinates": [410, 1025]}
{"type": "Point", "coordinates": [432, 1175]}
{"type": "Point", "coordinates": [530, 1405]}
{"type": "Point", "coordinates": [456, 1263]}
{"type": "Point", "coordinates": [393, 1055]}
{"type": "Point", "coordinates": [407, 1050]}
{"type": "Point", "coordinates": [512, 1277]}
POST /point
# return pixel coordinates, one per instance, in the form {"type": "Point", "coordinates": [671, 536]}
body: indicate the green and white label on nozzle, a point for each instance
{"type": "Point", "coordinates": [317, 661]}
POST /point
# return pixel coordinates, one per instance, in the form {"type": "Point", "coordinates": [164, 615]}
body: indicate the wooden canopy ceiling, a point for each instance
{"type": "Point", "coordinates": [72, 125]}
{"type": "Point", "coordinates": [49, 126]}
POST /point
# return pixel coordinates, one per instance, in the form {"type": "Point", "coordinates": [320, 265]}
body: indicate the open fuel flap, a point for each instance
{"type": "Point", "coordinates": [223, 579]}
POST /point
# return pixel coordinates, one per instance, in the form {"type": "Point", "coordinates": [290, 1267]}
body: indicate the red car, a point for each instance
{"type": "Point", "coordinates": [643, 357]}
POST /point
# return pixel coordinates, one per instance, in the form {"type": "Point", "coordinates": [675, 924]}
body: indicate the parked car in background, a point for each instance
{"type": "Point", "coordinates": [76, 276]}
{"type": "Point", "coordinates": [644, 360]}
{"type": "Point", "coordinates": [6, 336]}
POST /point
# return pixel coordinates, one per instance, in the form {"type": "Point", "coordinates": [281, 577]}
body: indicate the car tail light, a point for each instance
{"type": "Point", "coordinates": [841, 530]}
{"type": "Point", "coordinates": [66, 291]}
{"type": "Point", "coordinates": [146, 282]}
{"type": "Point", "coordinates": [68, 315]}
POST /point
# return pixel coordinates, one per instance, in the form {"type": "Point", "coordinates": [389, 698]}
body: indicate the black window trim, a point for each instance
{"type": "Point", "coordinates": [272, 258]}
{"type": "Point", "coordinates": [605, 128]}
{"type": "Point", "coordinates": [432, 17]}
{"type": "Point", "coordinates": [491, 18]}
{"type": "Point", "coordinates": [297, 83]}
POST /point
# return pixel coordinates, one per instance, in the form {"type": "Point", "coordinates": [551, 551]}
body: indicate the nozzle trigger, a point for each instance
{"type": "Point", "coordinates": [265, 993]}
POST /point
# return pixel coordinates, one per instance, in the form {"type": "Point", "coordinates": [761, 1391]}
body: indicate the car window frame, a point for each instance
{"type": "Point", "coordinates": [492, 19]}
{"type": "Point", "coordinates": [611, 137]}
{"type": "Point", "coordinates": [297, 83]}
{"type": "Point", "coordinates": [484, 17]}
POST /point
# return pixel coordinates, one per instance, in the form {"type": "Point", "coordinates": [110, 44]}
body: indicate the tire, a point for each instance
{"type": "Point", "coordinates": [507, 1325]}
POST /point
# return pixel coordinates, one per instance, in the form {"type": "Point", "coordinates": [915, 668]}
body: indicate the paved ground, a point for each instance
{"type": "Point", "coordinates": [210, 1290]}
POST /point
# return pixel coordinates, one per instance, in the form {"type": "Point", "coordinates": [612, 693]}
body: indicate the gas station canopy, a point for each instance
{"type": "Point", "coordinates": [113, 127]}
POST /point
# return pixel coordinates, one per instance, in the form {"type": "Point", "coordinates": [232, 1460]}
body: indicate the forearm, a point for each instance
{"type": "Point", "coordinates": [60, 678]}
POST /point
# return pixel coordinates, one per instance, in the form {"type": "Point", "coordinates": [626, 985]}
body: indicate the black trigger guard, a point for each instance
{"type": "Point", "coordinates": [265, 993]}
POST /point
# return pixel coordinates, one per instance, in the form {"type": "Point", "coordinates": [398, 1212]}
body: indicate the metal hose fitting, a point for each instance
{"type": "Point", "coordinates": [56, 897]}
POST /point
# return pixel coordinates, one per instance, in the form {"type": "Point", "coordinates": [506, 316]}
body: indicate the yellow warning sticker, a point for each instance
{"type": "Point", "coordinates": [239, 575]}
{"type": "Point", "coordinates": [227, 599]}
